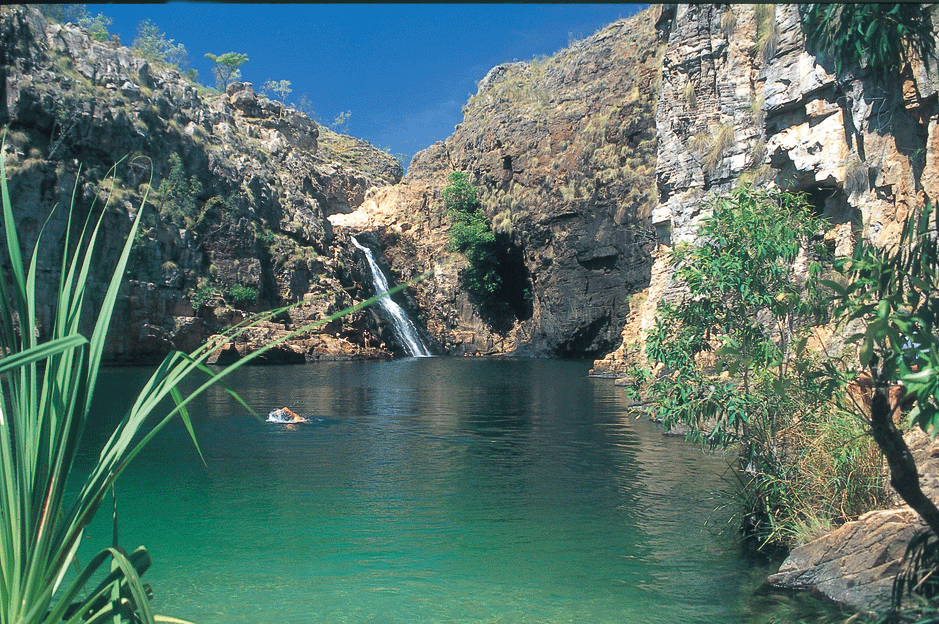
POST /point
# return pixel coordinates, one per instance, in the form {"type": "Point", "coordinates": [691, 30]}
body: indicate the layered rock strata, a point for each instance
{"type": "Point", "coordinates": [743, 101]}
{"type": "Point", "coordinates": [236, 188]}
{"type": "Point", "coordinates": [562, 152]}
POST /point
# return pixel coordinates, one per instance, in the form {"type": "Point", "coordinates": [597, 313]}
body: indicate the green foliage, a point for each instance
{"type": "Point", "coordinates": [305, 106]}
{"type": "Point", "coordinates": [341, 122]}
{"type": "Point", "coordinates": [917, 582]}
{"type": "Point", "coordinates": [892, 291]}
{"type": "Point", "coordinates": [877, 36]}
{"type": "Point", "coordinates": [471, 235]}
{"type": "Point", "coordinates": [690, 95]}
{"type": "Point", "coordinates": [63, 13]}
{"type": "Point", "coordinates": [744, 265]}
{"type": "Point", "coordinates": [281, 88]}
{"type": "Point", "coordinates": [732, 351]}
{"type": "Point", "coordinates": [241, 296]}
{"type": "Point", "coordinates": [889, 293]}
{"type": "Point", "coordinates": [151, 44]}
{"type": "Point", "coordinates": [201, 295]}
{"type": "Point", "coordinates": [180, 195]}
{"type": "Point", "coordinates": [226, 68]}
{"type": "Point", "coordinates": [97, 26]}
{"type": "Point", "coordinates": [46, 391]}
{"type": "Point", "coordinates": [66, 112]}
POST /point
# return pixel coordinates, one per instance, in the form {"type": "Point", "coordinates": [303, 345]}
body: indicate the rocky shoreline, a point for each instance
{"type": "Point", "coordinates": [855, 564]}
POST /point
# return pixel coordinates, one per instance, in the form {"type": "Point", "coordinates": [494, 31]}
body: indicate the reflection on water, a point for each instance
{"type": "Point", "coordinates": [435, 490]}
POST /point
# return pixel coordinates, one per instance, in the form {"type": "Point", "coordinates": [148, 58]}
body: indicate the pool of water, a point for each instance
{"type": "Point", "coordinates": [434, 490]}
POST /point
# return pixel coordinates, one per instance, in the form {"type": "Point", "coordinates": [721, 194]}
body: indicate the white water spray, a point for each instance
{"type": "Point", "coordinates": [401, 324]}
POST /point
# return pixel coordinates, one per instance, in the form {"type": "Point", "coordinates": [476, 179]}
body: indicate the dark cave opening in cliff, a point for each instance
{"type": "Point", "coordinates": [516, 281]}
{"type": "Point", "coordinates": [823, 199]}
{"type": "Point", "coordinates": [513, 300]}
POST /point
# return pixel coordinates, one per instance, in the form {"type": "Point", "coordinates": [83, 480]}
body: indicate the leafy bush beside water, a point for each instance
{"type": "Point", "coordinates": [733, 367]}
{"type": "Point", "coordinates": [814, 430]}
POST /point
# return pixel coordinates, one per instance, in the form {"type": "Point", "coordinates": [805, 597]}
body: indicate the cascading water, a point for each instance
{"type": "Point", "coordinates": [401, 324]}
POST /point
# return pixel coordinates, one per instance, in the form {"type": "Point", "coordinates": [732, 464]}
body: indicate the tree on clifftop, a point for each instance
{"type": "Point", "coordinates": [226, 67]}
{"type": "Point", "coordinates": [281, 88]}
{"type": "Point", "coordinates": [151, 43]}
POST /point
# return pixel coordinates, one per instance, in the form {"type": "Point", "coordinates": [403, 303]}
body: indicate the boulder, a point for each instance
{"type": "Point", "coordinates": [854, 565]}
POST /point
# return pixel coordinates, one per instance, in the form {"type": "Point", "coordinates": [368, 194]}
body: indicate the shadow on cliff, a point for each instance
{"type": "Point", "coordinates": [513, 301]}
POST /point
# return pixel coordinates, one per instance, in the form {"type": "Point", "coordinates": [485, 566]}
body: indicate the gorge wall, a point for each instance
{"type": "Point", "coordinates": [591, 164]}
{"type": "Point", "coordinates": [236, 188]}
{"type": "Point", "coordinates": [567, 159]}
{"type": "Point", "coordinates": [562, 151]}
{"type": "Point", "coordinates": [742, 100]}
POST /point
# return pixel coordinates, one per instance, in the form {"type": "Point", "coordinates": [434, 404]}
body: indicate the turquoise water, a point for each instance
{"type": "Point", "coordinates": [434, 490]}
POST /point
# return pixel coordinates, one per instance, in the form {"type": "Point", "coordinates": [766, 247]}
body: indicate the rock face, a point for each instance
{"type": "Point", "coordinates": [562, 151]}
{"type": "Point", "coordinates": [237, 188]}
{"type": "Point", "coordinates": [855, 564]}
{"type": "Point", "coordinates": [742, 100]}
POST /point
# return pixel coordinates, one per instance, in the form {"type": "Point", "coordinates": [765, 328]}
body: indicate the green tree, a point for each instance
{"type": "Point", "coordinates": [97, 26]}
{"type": "Point", "coordinates": [179, 194]}
{"type": "Point", "coordinates": [891, 295]}
{"type": "Point", "coordinates": [893, 292]}
{"type": "Point", "coordinates": [281, 88]}
{"type": "Point", "coordinates": [470, 234]}
{"type": "Point", "coordinates": [63, 13]}
{"type": "Point", "coordinates": [878, 36]}
{"type": "Point", "coordinates": [743, 294]}
{"type": "Point", "coordinates": [305, 106]}
{"type": "Point", "coordinates": [730, 353]}
{"type": "Point", "coordinates": [151, 43]}
{"type": "Point", "coordinates": [226, 68]}
{"type": "Point", "coordinates": [341, 122]}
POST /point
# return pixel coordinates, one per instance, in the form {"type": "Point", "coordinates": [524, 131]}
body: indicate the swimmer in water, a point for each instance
{"type": "Point", "coordinates": [286, 412]}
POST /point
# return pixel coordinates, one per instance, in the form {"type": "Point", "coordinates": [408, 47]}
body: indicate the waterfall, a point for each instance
{"type": "Point", "coordinates": [403, 327]}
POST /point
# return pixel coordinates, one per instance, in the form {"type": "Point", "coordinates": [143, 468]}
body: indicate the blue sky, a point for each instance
{"type": "Point", "coordinates": [404, 71]}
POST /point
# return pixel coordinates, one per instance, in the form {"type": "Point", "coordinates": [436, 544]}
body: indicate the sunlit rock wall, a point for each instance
{"type": "Point", "coordinates": [743, 101]}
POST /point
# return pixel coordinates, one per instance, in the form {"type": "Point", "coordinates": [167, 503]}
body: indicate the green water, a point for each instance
{"type": "Point", "coordinates": [434, 490]}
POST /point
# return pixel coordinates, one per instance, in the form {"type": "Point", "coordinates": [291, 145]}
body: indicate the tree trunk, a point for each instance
{"type": "Point", "coordinates": [904, 476]}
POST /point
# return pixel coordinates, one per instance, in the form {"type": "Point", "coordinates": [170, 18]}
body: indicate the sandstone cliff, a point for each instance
{"type": "Point", "coordinates": [562, 150]}
{"type": "Point", "coordinates": [737, 98]}
{"type": "Point", "coordinates": [238, 189]}
{"type": "Point", "coordinates": [743, 100]}
{"type": "Point", "coordinates": [591, 164]}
